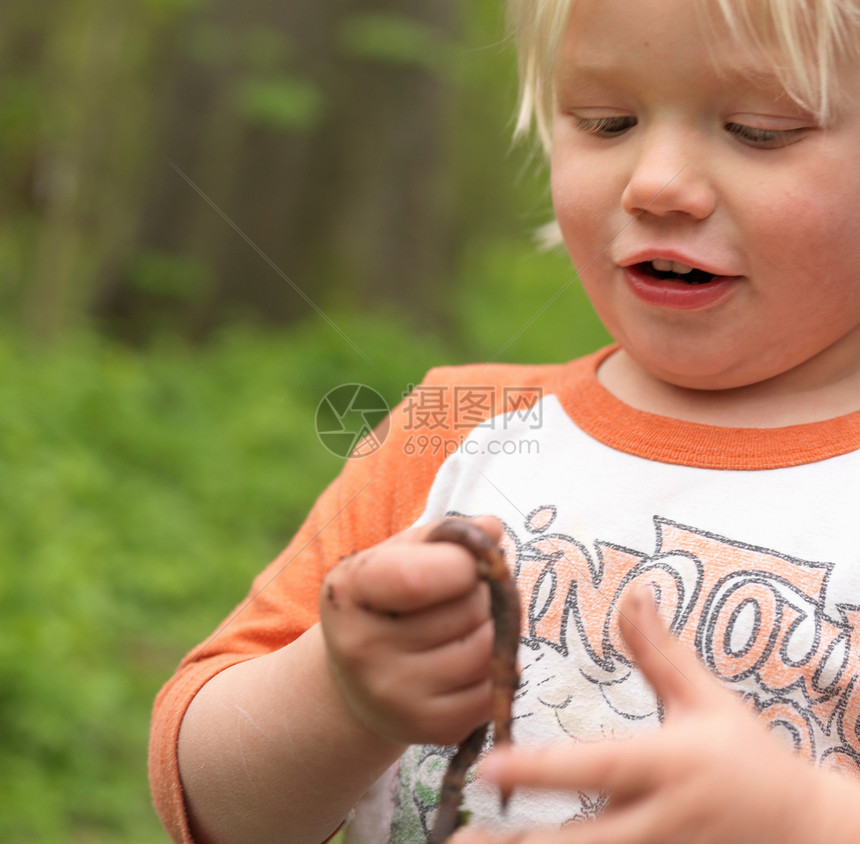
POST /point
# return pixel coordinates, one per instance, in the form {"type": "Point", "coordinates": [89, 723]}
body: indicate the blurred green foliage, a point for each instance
{"type": "Point", "coordinates": [140, 494]}
{"type": "Point", "coordinates": [395, 39]}
{"type": "Point", "coordinates": [516, 303]}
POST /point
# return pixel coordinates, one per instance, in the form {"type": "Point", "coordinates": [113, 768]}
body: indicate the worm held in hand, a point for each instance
{"type": "Point", "coordinates": [505, 611]}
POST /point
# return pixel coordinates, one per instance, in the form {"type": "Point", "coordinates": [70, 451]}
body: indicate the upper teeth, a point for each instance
{"type": "Point", "coordinates": [671, 267]}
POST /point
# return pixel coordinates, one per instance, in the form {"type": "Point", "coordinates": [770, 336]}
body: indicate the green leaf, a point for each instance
{"type": "Point", "coordinates": [284, 102]}
{"type": "Point", "coordinates": [176, 276]}
{"type": "Point", "coordinates": [393, 39]}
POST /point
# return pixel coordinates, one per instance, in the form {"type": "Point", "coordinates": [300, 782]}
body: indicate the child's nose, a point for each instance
{"type": "Point", "coordinates": [668, 178]}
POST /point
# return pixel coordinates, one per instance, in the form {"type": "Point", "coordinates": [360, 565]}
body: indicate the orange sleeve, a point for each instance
{"type": "Point", "coordinates": [373, 497]}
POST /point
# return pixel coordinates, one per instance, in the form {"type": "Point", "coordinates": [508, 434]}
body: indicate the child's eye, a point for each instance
{"type": "Point", "coordinates": [604, 127]}
{"type": "Point", "coordinates": [763, 138]}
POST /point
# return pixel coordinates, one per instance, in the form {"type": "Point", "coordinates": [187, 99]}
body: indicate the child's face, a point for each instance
{"type": "Point", "coordinates": [672, 147]}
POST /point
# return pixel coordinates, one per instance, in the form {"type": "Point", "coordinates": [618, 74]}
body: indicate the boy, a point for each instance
{"type": "Point", "coordinates": [705, 162]}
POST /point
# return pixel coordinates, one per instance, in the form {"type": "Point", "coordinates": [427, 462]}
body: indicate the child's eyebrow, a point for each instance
{"type": "Point", "coordinates": [578, 73]}
{"type": "Point", "coordinates": [583, 71]}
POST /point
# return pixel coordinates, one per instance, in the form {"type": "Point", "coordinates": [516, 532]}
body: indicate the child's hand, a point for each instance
{"type": "Point", "coordinates": [711, 775]}
{"type": "Point", "coordinates": [409, 638]}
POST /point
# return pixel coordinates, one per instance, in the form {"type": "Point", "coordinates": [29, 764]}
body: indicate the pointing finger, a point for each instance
{"type": "Point", "coordinates": [674, 672]}
{"type": "Point", "coordinates": [622, 767]}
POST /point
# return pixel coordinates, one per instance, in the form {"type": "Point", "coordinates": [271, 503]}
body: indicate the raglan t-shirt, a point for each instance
{"type": "Point", "coordinates": [749, 537]}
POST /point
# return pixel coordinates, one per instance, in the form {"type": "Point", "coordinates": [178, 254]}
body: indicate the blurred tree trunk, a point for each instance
{"type": "Point", "coordinates": [391, 234]}
{"type": "Point", "coordinates": [352, 206]}
{"type": "Point", "coordinates": [96, 133]}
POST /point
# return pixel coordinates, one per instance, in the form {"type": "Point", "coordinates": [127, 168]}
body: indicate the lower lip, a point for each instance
{"type": "Point", "coordinates": [677, 294]}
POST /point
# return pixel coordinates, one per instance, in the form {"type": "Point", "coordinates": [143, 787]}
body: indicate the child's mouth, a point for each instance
{"type": "Point", "coordinates": [665, 283]}
{"type": "Point", "coordinates": [674, 271]}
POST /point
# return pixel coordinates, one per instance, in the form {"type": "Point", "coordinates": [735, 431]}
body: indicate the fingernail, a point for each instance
{"type": "Point", "coordinates": [650, 604]}
{"type": "Point", "coordinates": [642, 601]}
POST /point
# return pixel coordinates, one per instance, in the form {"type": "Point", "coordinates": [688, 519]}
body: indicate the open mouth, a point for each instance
{"type": "Point", "coordinates": [674, 271]}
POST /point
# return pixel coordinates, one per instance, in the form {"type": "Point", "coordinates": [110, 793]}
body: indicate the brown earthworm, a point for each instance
{"type": "Point", "coordinates": [505, 611]}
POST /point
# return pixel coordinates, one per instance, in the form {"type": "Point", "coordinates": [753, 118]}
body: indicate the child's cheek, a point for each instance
{"type": "Point", "coordinates": [792, 229]}
{"type": "Point", "coordinates": [571, 193]}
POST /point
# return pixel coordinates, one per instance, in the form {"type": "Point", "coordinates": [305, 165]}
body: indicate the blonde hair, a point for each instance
{"type": "Point", "coordinates": [805, 40]}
